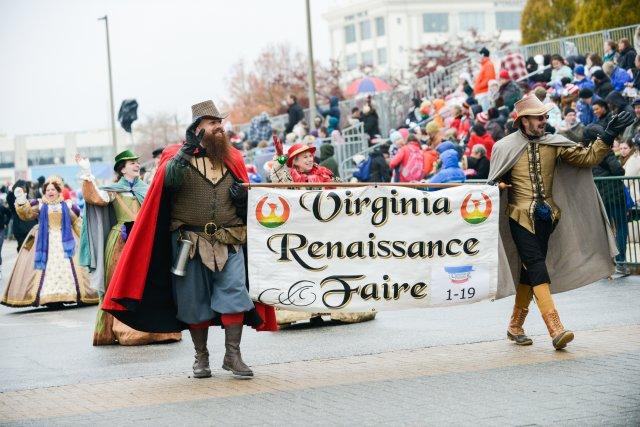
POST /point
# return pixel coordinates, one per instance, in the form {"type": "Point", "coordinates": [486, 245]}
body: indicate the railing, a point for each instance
{"type": "Point", "coordinates": [621, 199]}
{"type": "Point", "coordinates": [581, 43]}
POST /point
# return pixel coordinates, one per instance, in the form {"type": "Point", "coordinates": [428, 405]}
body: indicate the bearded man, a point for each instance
{"type": "Point", "coordinates": [547, 174]}
{"type": "Point", "coordinates": [197, 207]}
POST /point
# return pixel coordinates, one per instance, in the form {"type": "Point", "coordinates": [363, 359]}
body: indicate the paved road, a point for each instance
{"type": "Point", "coordinates": [447, 366]}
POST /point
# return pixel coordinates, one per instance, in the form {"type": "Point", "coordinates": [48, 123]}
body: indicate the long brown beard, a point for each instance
{"type": "Point", "coordinates": [217, 146]}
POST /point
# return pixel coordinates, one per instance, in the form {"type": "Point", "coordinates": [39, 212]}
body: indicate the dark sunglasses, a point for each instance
{"type": "Point", "coordinates": [541, 117]}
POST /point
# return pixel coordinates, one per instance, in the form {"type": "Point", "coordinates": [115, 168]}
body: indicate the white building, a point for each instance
{"type": "Point", "coordinates": [19, 153]}
{"type": "Point", "coordinates": [384, 33]}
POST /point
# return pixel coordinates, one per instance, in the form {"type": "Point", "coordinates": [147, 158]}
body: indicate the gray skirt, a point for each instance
{"type": "Point", "coordinates": [202, 292]}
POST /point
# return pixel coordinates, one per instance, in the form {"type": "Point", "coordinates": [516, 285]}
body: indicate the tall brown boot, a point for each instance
{"type": "Point", "coordinates": [232, 357]}
{"type": "Point", "coordinates": [515, 330]}
{"type": "Point", "coordinates": [201, 367]}
{"type": "Point", "coordinates": [560, 336]}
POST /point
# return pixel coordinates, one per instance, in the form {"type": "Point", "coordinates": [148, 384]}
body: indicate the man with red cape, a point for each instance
{"type": "Point", "coordinates": [195, 206]}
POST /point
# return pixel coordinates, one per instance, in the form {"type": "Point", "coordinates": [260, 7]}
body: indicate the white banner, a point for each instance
{"type": "Point", "coordinates": [372, 248]}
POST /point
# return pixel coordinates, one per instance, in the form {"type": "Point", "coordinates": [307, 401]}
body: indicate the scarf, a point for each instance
{"type": "Point", "coordinates": [42, 245]}
{"type": "Point", "coordinates": [316, 174]}
{"type": "Point", "coordinates": [138, 188]}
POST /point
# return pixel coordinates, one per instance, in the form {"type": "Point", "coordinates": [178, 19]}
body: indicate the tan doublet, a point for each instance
{"type": "Point", "coordinates": [532, 175]}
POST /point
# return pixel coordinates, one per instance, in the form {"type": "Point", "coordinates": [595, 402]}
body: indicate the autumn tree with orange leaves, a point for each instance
{"type": "Point", "coordinates": [278, 71]}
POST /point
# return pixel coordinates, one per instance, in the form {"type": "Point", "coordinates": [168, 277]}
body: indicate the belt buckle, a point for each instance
{"type": "Point", "coordinates": [206, 228]}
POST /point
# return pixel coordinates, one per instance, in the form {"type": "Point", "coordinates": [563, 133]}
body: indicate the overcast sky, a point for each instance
{"type": "Point", "coordinates": [168, 54]}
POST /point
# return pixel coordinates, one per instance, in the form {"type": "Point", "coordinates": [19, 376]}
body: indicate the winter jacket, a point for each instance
{"type": "Point", "coordinates": [462, 125]}
{"type": "Point", "coordinates": [379, 170]}
{"type": "Point", "coordinates": [450, 170]}
{"type": "Point", "coordinates": [584, 84]}
{"type": "Point", "coordinates": [295, 115]}
{"type": "Point", "coordinates": [619, 78]}
{"type": "Point", "coordinates": [509, 93]}
{"type": "Point", "coordinates": [333, 110]}
{"type": "Point", "coordinates": [495, 128]}
{"type": "Point", "coordinates": [370, 123]}
{"type": "Point", "coordinates": [627, 58]}
{"type": "Point", "coordinates": [631, 130]}
{"type": "Point", "coordinates": [604, 88]}
{"type": "Point", "coordinates": [564, 71]}
{"type": "Point", "coordinates": [612, 192]}
{"type": "Point", "coordinates": [481, 166]}
{"type": "Point", "coordinates": [5, 217]}
{"type": "Point", "coordinates": [635, 78]}
{"type": "Point", "coordinates": [604, 120]}
{"type": "Point", "coordinates": [327, 160]}
{"type": "Point", "coordinates": [430, 156]}
{"type": "Point", "coordinates": [487, 72]}
{"type": "Point", "coordinates": [485, 140]}
{"type": "Point", "coordinates": [617, 103]}
{"type": "Point", "coordinates": [585, 111]}
{"type": "Point", "coordinates": [402, 158]}
{"type": "Point", "coordinates": [260, 129]}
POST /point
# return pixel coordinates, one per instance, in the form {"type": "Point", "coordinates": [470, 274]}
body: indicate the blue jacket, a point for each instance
{"type": "Point", "coordinates": [585, 111]}
{"type": "Point", "coordinates": [618, 79]}
{"type": "Point", "coordinates": [334, 109]}
{"type": "Point", "coordinates": [450, 171]}
{"type": "Point", "coordinates": [584, 84]}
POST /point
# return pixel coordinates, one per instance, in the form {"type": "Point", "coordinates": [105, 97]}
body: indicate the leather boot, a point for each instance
{"type": "Point", "coordinates": [515, 332]}
{"type": "Point", "coordinates": [559, 335]}
{"type": "Point", "coordinates": [232, 357]}
{"type": "Point", "coordinates": [201, 365]}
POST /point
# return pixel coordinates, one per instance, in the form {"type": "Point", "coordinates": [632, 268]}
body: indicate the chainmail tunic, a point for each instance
{"type": "Point", "coordinates": [199, 202]}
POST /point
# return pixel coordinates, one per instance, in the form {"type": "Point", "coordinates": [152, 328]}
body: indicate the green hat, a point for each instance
{"type": "Point", "coordinates": [123, 157]}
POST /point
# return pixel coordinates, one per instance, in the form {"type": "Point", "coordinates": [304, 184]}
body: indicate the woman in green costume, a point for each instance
{"type": "Point", "coordinates": [111, 211]}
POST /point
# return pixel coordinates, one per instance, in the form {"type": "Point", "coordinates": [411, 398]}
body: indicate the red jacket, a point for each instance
{"type": "Point", "coordinates": [487, 72]}
{"type": "Point", "coordinates": [402, 157]}
{"type": "Point", "coordinates": [485, 140]}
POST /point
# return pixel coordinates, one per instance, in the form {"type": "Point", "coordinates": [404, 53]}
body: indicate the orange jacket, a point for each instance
{"type": "Point", "coordinates": [430, 156]}
{"type": "Point", "coordinates": [487, 72]}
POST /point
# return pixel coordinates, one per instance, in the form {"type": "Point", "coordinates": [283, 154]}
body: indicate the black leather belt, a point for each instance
{"type": "Point", "coordinates": [208, 229]}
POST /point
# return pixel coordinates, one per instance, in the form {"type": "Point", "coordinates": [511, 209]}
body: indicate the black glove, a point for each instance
{"type": "Point", "coordinates": [193, 141]}
{"type": "Point", "coordinates": [617, 124]}
{"type": "Point", "coordinates": [239, 198]}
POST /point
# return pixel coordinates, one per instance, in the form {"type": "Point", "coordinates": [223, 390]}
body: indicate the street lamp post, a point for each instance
{"type": "Point", "coordinates": [311, 73]}
{"type": "Point", "coordinates": [113, 114]}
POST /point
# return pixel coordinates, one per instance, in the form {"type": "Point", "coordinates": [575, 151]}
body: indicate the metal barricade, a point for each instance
{"type": "Point", "coordinates": [621, 198]}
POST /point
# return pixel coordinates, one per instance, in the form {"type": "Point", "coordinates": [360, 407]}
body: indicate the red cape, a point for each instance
{"type": "Point", "coordinates": [140, 293]}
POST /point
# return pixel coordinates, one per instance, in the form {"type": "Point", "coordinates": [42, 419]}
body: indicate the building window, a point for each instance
{"type": "Point", "coordinates": [7, 159]}
{"type": "Point", "coordinates": [471, 20]}
{"type": "Point", "coordinates": [365, 30]}
{"type": "Point", "coordinates": [508, 20]}
{"type": "Point", "coordinates": [351, 62]}
{"type": "Point", "coordinates": [45, 157]}
{"type": "Point", "coordinates": [435, 22]}
{"type": "Point", "coordinates": [367, 58]}
{"type": "Point", "coordinates": [349, 34]}
{"type": "Point", "coordinates": [382, 55]}
{"type": "Point", "coordinates": [96, 154]}
{"type": "Point", "coordinates": [380, 26]}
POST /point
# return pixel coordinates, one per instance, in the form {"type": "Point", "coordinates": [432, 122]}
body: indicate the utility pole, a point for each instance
{"type": "Point", "coordinates": [113, 113]}
{"type": "Point", "coordinates": [311, 75]}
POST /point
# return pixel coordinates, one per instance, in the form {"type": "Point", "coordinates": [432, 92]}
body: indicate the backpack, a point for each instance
{"type": "Point", "coordinates": [363, 174]}
{"type": "Point", "coordinates": [413, 170]}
